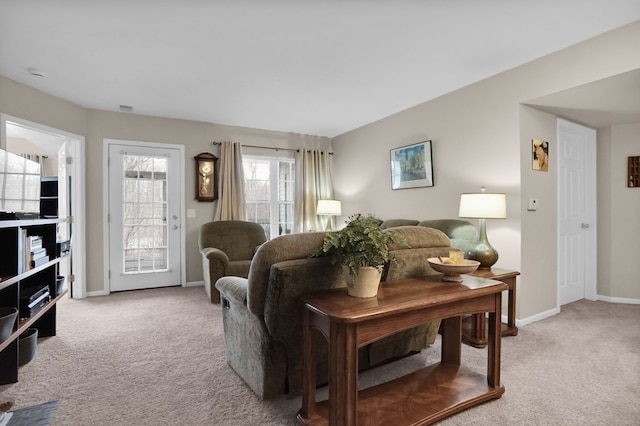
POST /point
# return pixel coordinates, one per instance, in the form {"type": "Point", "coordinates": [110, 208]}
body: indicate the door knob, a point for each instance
{"type": "Point", "coordinates": [584, 225]}
{"type": "Point", "coordinates": [174, 227]}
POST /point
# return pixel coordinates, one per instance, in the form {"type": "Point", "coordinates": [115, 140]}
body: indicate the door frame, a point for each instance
{"type": "Point", "coordinates": [590, 184]}
{"type": "Point", "coordinates": [105, 201]}
{"type": "Point", "coordinates": [76, 164]}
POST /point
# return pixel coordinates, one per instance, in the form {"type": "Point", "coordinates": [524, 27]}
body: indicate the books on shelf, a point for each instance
{"type": "Point", "coordinates": [37, 253]}
{"type": "Point", "coordinates": [39, 262]}
{"type": "Point", "coordinates": [33, 253]}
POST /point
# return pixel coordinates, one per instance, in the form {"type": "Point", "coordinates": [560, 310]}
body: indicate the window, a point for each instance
{"type": "Point", "coordinates": [269, 189]}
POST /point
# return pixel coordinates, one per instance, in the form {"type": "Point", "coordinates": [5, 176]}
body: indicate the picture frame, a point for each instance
{"type": "Point", "coordinates": [539, 155]}
{"type": "Point", "coordinates": [206, 184]}
{"type": "Point", "coordinates": [412, 166]}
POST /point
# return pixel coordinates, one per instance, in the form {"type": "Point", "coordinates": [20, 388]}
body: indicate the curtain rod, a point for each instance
{"type": "Point", "coordinates": [266, 147]}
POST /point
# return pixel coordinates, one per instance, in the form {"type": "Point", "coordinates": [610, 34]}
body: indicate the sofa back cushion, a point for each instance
{"type": "Point", "coordinates": [410, 256]}
{"type": "Point", "coordinates": [393, 223]}
{"type": "Point", "coordinates": [463, 234]}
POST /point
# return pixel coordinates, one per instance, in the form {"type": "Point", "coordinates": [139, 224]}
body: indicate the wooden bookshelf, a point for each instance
{"type": "Point", "coordinates": [17, 276]}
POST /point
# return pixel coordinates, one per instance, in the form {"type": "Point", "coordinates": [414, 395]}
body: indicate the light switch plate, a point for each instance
{"type": "Point", "coordinates": [191, 212]}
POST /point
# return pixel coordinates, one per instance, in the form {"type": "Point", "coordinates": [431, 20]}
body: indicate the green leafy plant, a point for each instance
{"type": "Point", "coordinates": [361, 243]}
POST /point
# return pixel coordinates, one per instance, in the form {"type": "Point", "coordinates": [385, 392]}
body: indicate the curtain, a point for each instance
{"type": "Point", "coordinates": [231, 201]}
{"type": "Point", "coordinates": [314, 181]}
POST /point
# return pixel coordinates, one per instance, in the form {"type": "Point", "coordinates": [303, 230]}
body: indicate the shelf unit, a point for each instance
{"type": "Point", "coordinates": [16, 276]}
{"type": "Point", "coordinates": [49, 197]}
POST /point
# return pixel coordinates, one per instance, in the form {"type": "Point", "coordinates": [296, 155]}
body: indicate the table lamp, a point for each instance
{"type": "Point", "coordinates": [329, 208]}
{"type": "Point", "coordinates": [483, 206]}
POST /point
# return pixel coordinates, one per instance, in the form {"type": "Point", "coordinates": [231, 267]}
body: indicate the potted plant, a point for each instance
{"type": "Point", "coordinates": [363, 248]}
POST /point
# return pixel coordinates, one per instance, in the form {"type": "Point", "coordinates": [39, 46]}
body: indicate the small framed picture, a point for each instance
{"type": "Point", "coordinates": [540, 155]}
{"type": "Point", "coordinates": [411, 166]}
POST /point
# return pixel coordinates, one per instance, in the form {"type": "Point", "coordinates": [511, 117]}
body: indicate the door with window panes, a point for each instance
{"type": "Point", "coordinates": [269, 193]}
{"type": "Point", "coordinates": [144, 216]}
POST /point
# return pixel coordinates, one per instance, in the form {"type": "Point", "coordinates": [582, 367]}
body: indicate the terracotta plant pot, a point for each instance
{"type": "Point", "coordinates": [366, 283]}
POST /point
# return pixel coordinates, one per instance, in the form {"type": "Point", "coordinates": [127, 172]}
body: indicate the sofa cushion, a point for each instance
{"type": "Point", "coordinates": [238, 268]}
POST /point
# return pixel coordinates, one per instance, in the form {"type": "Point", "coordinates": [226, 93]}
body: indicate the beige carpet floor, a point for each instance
{"type": "Point", "coordinates": [156, 357]}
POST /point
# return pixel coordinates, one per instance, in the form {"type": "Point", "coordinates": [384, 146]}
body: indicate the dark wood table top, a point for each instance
{"type": "Point", "coordinates": [398, 296]}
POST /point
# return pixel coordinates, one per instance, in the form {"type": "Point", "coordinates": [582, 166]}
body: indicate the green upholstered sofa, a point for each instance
{"type": "Point", "coordinates": [262, 314]}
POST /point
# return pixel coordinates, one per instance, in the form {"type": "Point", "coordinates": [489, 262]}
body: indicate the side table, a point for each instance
{"type": "Point", "coordinates": [474, 328]}
{"type": "Point", "coordinates": [422, 397]}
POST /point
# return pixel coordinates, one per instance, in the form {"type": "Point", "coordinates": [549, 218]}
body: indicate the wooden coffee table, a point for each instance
{"type": "Point", "coordinates": [474, 327]}
{"type": "Point", "coordinates": [422, 397]}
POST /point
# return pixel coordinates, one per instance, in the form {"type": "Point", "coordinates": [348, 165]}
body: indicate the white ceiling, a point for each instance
{"type": "Point", "coordinates": [302, 66]}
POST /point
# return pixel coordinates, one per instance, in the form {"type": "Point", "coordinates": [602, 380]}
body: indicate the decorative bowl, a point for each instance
{"type": "Point", "coordinates": [452, 271]}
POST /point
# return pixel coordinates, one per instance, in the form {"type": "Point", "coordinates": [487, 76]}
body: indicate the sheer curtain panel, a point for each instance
{"type": "Point", "coordinates": [231, 201]}
{"type": "Point", "coordinates": [314, 181]}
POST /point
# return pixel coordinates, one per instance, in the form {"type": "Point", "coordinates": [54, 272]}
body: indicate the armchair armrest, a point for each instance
{"type": "Point", "coordinates": [212, 253]}
{"type": "Point", "coordinates": [234, 288]}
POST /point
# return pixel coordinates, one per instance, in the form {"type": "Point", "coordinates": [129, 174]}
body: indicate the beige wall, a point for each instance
{"type": "Point", "coordinates": [539, 228]}
{"type": "Point", "coordinates": [482, 136]}
{"type": "Point", "coordinates": [618, 207]}
{"type": "Point", "coordinates": [30, 104]}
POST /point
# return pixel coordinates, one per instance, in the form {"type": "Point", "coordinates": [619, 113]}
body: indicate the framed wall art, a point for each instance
{"type": "Point", "coordinates": [412, 166]}
{"type": "Point", "coordinates": [540, 152]}
{"type": "Point", "coordinates": [206, 185]}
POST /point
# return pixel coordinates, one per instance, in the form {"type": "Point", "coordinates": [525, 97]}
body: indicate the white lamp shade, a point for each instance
{"type": "Point", "coordinates": [483, 206]}
{"type": "Point", "coordinates": [329, 207]}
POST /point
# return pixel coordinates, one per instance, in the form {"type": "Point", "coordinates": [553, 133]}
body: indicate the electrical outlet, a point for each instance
{"type": "Point", "coordinates": [533, 204]}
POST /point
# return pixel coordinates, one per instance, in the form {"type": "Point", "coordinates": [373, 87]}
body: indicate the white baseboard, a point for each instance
{"type": "Point", "coordinates": [97, 293]}
{"type": "Point", "coordinates": [106, 293]}
{"type": "Point", "coordinates": [537, 317]}
{"type": "Point", "coordinates": [618, 300]}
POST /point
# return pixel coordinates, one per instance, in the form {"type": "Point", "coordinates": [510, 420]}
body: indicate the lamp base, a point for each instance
{"type": "Point", "coordinates": [483, 252]}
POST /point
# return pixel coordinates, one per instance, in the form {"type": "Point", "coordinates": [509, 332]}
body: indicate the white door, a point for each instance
{"type": "Point", "coordinates": [145, 230]}
{"type": "Point", "coordinates": [576, 212]}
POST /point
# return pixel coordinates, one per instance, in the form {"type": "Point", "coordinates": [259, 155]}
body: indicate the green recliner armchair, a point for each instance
{"type": "Point", "coordinates": [227, 248]}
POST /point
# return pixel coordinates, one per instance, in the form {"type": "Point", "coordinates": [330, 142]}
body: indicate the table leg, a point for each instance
{"type": "Point", "coordinates": [511, 329]}
{"type": "Point", "coordinates": [343, 375]}
{"type": "Point", "coordinates": [495, 340]}
{"type": "Point", "coordinates": [308, 368]}
{"type": "Point", "coordinates": [451, 340]}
